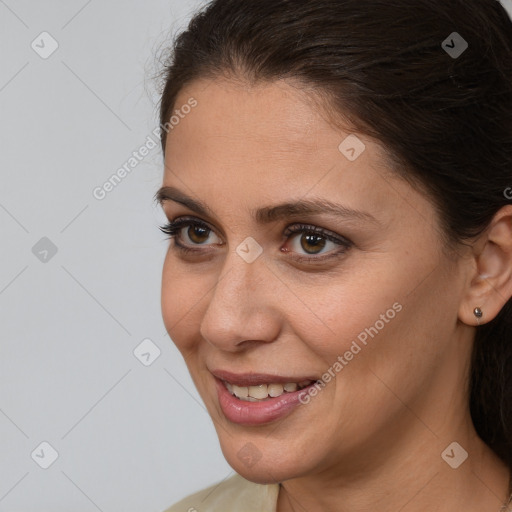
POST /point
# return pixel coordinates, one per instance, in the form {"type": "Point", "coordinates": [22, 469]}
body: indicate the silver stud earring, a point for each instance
{"type": "Point", "coordinates": [478, 313]}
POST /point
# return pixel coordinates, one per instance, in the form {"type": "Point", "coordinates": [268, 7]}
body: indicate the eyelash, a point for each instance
{"type": "Point", "coordinates": [173, 228]}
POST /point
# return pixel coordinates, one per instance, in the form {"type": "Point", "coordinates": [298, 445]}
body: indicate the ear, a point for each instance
{"type": "Point", "coordinates": [490, 282]}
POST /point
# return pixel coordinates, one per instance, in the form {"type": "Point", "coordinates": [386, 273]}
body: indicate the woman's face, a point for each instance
{"type": "Point", "coordinates": [361, 298]}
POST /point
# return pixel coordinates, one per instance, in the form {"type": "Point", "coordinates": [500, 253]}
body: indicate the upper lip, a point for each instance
{"type": "Point", "coordinates": [256, 379]}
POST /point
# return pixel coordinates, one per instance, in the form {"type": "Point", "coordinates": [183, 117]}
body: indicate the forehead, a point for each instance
{"type": "Point", "coordinates": [243, 146]}
{"type": "Point", "coordinates": [265, 126]}
{"type": "Point", "coordinates": [273, 112]}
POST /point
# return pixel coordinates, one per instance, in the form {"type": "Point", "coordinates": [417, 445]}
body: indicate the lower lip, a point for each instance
{"type": "Point", "coordinates": [257, 413]}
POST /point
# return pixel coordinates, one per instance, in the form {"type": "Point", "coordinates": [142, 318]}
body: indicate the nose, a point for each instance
{"type": "Point", "coordinates": [244, 306]}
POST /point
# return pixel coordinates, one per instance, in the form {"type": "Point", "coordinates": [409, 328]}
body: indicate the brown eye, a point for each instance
{"type": "Point", "coordinates": [312, 244]}
{"type": "Point", "coordinates": [315, 244]}
{"type": "Point", "coordinates": [189, 232]}
{"type": "Point", "coordinates": [198, 234]}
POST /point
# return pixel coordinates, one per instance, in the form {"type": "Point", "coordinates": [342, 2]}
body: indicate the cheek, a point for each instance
{"type": "Point", "coordinates": [182, 297]}
{"type": "Point", "coordinates": [400, 351]}
{"type": "Point", "coordinates": [337, 315]}
{"type": "Point", "coordinates": [368, 322]}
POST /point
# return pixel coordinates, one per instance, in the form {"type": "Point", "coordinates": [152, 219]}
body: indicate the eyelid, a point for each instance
{"type": "Point", "coordinates": [317, 230]}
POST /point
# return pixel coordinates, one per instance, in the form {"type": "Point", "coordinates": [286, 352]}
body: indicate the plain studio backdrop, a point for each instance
{"type": "Point", "coordinates": [97, 410]}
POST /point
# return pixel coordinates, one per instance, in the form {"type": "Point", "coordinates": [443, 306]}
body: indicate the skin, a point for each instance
{"type": "Point", "coordinates": [372, 438]}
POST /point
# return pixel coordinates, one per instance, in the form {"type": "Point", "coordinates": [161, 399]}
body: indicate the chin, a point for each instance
{"type": "Point", "coordinates": [261, 474]}
{"type": "Point", "coordinates": [254, 465]}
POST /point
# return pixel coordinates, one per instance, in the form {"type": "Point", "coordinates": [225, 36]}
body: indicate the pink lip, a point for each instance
{"type": "Point", "coordinates": [257, 413]}
{"type": "Point", "coordinates": [256, 379]}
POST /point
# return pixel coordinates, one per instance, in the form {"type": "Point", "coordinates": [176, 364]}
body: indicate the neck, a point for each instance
{"type": "Point", "coordinates": [415, 480]}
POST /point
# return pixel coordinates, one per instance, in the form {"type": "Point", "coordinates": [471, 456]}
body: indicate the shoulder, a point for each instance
{"type": "Point", "coordinates": [236, 494]}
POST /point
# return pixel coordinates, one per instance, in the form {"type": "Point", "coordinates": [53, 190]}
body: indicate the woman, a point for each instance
{"type": "Point", "coordinates": [339, 278]}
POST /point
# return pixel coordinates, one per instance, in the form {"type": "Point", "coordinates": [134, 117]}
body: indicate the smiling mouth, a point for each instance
{"type": "Point", "coordinates": [264, 392]}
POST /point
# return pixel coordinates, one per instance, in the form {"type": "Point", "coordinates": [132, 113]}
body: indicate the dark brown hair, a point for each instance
{"type": "Point", "coordinates": [445, 121]}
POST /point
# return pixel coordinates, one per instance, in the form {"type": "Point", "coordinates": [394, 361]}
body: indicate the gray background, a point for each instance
{"type": "Point", "coordinates": [129, 437]}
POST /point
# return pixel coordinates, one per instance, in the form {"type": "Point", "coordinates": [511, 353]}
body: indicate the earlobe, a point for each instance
{"type": "Point", "coordinates": [490, 285]}
{"type": "Point", "coordinates": [474, 316]}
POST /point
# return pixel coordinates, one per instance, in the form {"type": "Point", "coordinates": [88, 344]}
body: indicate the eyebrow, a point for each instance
{"type": "Point", "coordinates": [268, 214]}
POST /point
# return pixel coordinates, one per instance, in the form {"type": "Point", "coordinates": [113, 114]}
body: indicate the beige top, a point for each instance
{"type": "Point", "coordinates": [236, 494]}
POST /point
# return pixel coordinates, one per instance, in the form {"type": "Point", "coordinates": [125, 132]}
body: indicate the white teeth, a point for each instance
{"type": "Point", "coordinates": [259, 392]}
{"type": "Point", "coordinates": [275, 390]}
{"type": "Point", "coordinates": [264, 391]}
{"type": "Point", "coordinates": [240, 392]}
